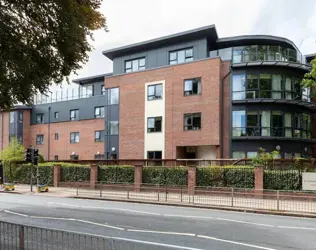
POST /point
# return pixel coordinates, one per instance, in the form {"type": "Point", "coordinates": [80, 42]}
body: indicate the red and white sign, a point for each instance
{"type": "Point", "coordinates": [309, 181]}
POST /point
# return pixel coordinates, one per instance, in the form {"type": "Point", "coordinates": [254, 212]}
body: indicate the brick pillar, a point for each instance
{"type": "Point", "coordinates": [191, 179]}
{"type": "Point", "coordinates": [259, 180]}
{"type": "Point", "coordinates": [93, 175]}
{"type": "Point", "coordinates": [138, 177]}
{"type": "Point", "coordinates": [56, 175]}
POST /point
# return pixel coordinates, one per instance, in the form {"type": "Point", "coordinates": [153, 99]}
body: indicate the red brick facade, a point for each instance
{"type": "Point", "coordinates": [132, 102]}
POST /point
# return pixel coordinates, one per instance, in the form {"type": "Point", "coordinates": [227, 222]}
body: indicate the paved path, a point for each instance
{"type": "Point", "coordinates": [184, 228]}
{"type": "Point", "coordinates": [214, 198]}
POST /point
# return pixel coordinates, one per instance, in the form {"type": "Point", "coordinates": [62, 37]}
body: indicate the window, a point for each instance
{"type": "Point", "coordinates": [56, 136]}
{"type": "Point", "coordinates": [288, 124]}
{"type": "Point", "coordinates": [99, 157]}
{"type": "Point", "coordinates": [99, 136]}
{"type": "Point", "coordinates": [20, 115]}
{"type": "Point", "coordinates": [102, 90]}
{"type": "Point", "coordinates": [40, 118]}
{"type": "Point", "coordinates": [277, 123]}
{"type": "Point", "coordinates": [154, 124]}
{"type": "Point", "coordinates": [56, 115]}
{"type": "Point", "coordinates": [192, 86]}
{"type": "Point", "coordinates": [113, 96]}
{"type": "Point", "coordinates": [181, 56]}
{"type": "Point", "coordinates": [12, 117]}
{"type": "Point", "coordinates": [39, 139]}
{"type": "Point", "coordinates": [154, 92]}
{"type": "Point", "coordinates": [114, 127]}
{"type": "Point", "coordinates": [239, 155]}
{"type": "Point", "coordinates": [74, 115]}
{"type": "Point", "coordinates": [55, 157]}
{"type": "Point", "coordinates": [252, 87]}
{"type": "Point", "coordinates": [192, 121]}
{"type": "Point", "coordinates": [135, 65]}
{"type": "Point", "coordinates": [74, 157]}
{"type": "Point", "coordinates": [86, 91]}
{"type": "Point", "coordinates": [239, 123]}
{"type": "Point", "coordinates": [74, 137]}
{"type": "Point", "coordinates": [251, 155]}
{"type": "Point", "coordinates": [154, 155]}
{"type": "Point", "coordinates": [239, 87]}
{"type": "Point", "coordinates": [98, 112]}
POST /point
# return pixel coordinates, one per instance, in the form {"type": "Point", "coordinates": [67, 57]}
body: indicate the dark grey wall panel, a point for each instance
{"type": "Point", "coordinates": [110, 142]}
{"type": "Point", "coordinates": [97, 88]}
{"type": "Point", "coordinates": [160, 57]}
{"type": "Point", "coordinates": [86, 109]}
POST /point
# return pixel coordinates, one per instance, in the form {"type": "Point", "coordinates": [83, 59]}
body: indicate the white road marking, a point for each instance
{"type": "Point", "coordinates": [52, 218]}
{"type": "Point", "coordinates": [189, 216]}
{"type": "Point", "coordinates": [245, 222]}
{"type": "Point", "coordinates": [62, 204]}
{"type": "Point", "coordinates": [102, 225]}
{"type": "Point", "coordinates": [160, 232]}
{"type": "Point", "coordinates": [9, 212]}
{"type": "Point", "coordinates": [302, 228]}
{"type": "Point", "coordinates": [234, 242]}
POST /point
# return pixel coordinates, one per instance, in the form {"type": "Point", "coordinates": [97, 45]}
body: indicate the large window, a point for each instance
{"type": "Point", "coordinates": [39, 118]}
{"type": "Point", "coordinates": [113, 96]}
{"type": "Point", "coordinates": [192, 86]}
{"type": "Point", "coordinates": [271, 123]}
{"type": "Point", "coordinates": [99, 136]}
{"type": "Point", "coordinates": [114, 127]}
{"type": "Point", "coordinates": [12, 116]}
{"type": "Point", "coordinates": [154, 92]}
{"type": "Point", "coordinates": [74, 137]}
{"type": "Point", "coordinates": [74, 115]}
{"type": "Point", "coordinates": [154, 155]}
{"type": "Point", "coordinates": [98, 112]}
{"type": "Point", "coordinates": [39, 139]}
{"type": "Point", "coordinates": [135, 65]}
{"type": "Point", "coordinates": [181, 56]}
{"type": "Point", "coordinates": [252, 53]}
{"type": "Point", "coordinates": [154, 124]}
{"type": "Point", "coordinates": [268, 86]}
{"type": "Point", "coordinates": [86, 91]}
{"type": "Point", "coordinates": [192, 121]}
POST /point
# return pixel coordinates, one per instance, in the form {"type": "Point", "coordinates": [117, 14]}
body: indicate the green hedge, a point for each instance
{"type": "Point", "coordinates": [112, 174]}
{"type": "Point", "coordinates": [282, 179]}
{"type": "Point", "coordinates": [21, 174]}
{"type": "Point", "coordinates": [164, 175]}
{"type": "Point", "coordinates": [74, 173]}
{"type": "Point", "coordinates": [225, 177]}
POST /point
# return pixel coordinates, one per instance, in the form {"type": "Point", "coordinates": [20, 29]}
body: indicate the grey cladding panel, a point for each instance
{"type": "Point", "coordinates": [160, 57]}
{"type": "Point", "coordinates": [86, 109]}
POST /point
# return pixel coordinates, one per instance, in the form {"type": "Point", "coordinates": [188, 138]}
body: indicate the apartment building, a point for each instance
{"type": "Point", "coordinates": [187, 95]}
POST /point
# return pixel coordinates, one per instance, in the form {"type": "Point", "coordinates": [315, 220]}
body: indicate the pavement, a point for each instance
{"type": "Point", "coordinates": [160, 226]}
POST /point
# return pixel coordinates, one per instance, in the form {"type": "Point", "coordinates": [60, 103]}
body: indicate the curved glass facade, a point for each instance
{"type": "Point", "coordinates": [252, 53]}
{"type": "Point", "coordinates": [268, 86]}
{"type": "Point", "coordinates": [272, 123]}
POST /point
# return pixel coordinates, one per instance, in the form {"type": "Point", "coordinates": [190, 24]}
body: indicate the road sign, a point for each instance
{"type": "Point", "coordinates": [309, 181]}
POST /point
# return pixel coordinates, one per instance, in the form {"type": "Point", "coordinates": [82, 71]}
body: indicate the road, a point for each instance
{"type": "Point", "coordinates": [181, 228]}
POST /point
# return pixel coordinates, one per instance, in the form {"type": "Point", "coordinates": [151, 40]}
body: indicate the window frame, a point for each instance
{"type": "Point", "coordinates": [56, 158]}
{"type": "Point", "coordinates": [41, 115]}
{"type": "Point", "coordinates": [56, 115]}
{"type": "Point", "coordinates": [154, 129]}
{"type": "Point", "coordinates": [155, 96]}
{"type": "Point", "coordinates": [56, 136]}
{"type": "Point", "coordinates": [73, 141]}
{"type": "Point", "coordinates": [103, 90]}
{"type": "Point", "coordinates": [100, 108]}
{"type": "Point", "coordinates": [199, 86]}
{"type": "Point", "coordinates": [40, 142]}
{"type": "Point", "coordinates": [192, 116]}
{"type": "Point", "coordinates": [154, 155]}
{"type": "Point", "coordinates": [132, 61]}
{"type": "Point", "coordinates": [111, 124]}
{"type": "Point", "coordinates": [186, 58]}
{"type": "Point", "coordinates": [101, 136]}
{"type": "Point", "coordinates": [76, 112]}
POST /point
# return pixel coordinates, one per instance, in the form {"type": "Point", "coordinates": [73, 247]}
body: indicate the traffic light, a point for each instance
{"type": "Point", "coordinates": [35, 157]}
{"type": "Point", "coordinates": [28, 155]}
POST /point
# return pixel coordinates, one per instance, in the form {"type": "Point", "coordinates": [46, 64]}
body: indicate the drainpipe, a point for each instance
{"type": "Point", "coordinates": [222, 113]}
{"type": "Point", "coordinates": [48, 139]}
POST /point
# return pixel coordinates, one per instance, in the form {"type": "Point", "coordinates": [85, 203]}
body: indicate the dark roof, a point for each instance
{"type": "Point", "coordinates": [208, 32]}
{"type": "Point", "coordinates": [254, 39]}
{"type": "Point", "coordinates": [91, 79]}
{"type": "Point", "coordinates": [310, 57]}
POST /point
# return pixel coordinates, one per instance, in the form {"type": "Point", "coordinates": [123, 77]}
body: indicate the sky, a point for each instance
{"type": "Point", "coordinates": [139, 20]}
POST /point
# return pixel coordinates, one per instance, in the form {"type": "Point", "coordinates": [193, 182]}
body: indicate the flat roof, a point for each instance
{"type": "Point", "coordinates": [91, 79]}
{"type": "Point", "coordinates": [254, 39]}
{"type": "Point", "coordinates": [202, 32]}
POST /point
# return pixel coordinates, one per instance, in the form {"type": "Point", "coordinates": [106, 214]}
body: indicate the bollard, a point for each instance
{"type": "Point", "coordinates": [158, 191]}
{"type": "Point", "coordinates": [232, 203]}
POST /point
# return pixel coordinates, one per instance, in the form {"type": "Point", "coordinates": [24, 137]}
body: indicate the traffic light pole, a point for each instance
{"type": "Point", "coordinates": [31, 177]}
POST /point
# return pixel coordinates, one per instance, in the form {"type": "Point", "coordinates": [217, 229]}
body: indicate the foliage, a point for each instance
{"type": "Point", "coordinates": [164, 175]}
{"type": "Point", "coordinates": [41, 158]}
{"type": "Point", "coordinates": [62, 164]}
{"type": "Point", "coordinates": [42, 42]}
{"type": "Point", "coordinates": [239, 177]}
{"type": "Point", "coordinates": [14, 152]}
{"type": "Point", "coordinates": [115, 174]}
{"type": "Point", "coordinates": [282, 179]}
{"type": "Point", "coordinates": [73, 174]}
{"type": "Point", "coordinates": [309, 79]}
{"type": "Point", "coordinates": [264, 158]}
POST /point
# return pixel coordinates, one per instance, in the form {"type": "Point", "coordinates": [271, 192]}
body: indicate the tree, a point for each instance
{"type": "Point", "coordinates": [309, 79]}
{"type": "Point", "coordinates": [13, 153]}
{"type": "Point", "coordinates": [42, 42]}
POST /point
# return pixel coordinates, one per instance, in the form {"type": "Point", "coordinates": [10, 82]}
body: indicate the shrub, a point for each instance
{"type": "Point", "coordinates": [74, 173]}
{"type": "Point", "coordinates": [114, 174]}
{"type": "Point", "coordinates": [164, 175]}
{"type": "Point", "coordinates": [282, 179]}
{"type": "Point", "coordinates": [225, 177]}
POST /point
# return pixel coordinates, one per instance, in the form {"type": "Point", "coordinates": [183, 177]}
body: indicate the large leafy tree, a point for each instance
{"type": "Point", "coordinates": [41, 42]}
{"type": "Point", "coordinates": [309, 79]}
